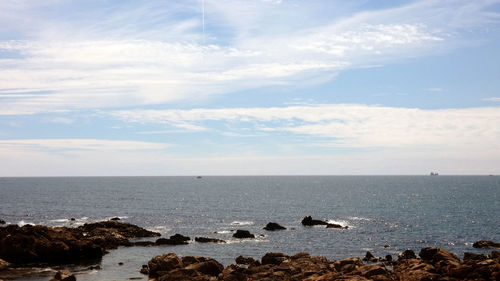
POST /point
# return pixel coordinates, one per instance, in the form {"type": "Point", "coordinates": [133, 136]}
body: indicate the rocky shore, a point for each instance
{"type": "Point", "coordinates": [430, 264]}
{"type": "Point", "coordinates": [35, 245]}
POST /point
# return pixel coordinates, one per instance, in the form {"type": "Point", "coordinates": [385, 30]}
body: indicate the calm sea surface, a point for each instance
{"type": "Point", "coordinates": [405, 212]}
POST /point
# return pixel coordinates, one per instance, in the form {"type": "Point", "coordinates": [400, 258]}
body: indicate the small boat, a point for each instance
{"type": "Point", "coordinates": [434, 174]}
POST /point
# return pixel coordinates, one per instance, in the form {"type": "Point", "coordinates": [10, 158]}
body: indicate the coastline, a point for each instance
{"type": "Point", "coordinates": [54, 249]}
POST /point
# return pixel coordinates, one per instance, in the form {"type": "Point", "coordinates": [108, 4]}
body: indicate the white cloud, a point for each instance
{"type": "Point", "coordinates": [494, 99]}
{"type": "Point", "coordinates": [72, 145]}
{"type": "Point", "coordinates": [350, 125]}
{"type": "Point", "coordinates": [138, 66]}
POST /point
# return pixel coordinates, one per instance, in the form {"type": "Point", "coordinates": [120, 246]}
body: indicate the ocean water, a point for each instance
{"type": "Point", "coordinates": [405, 212]}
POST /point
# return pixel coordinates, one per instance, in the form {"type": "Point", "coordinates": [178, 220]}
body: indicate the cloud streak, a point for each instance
{"type": "Point", "coordinates": [139, 67]}
{"type": "Point", "coordinates": [346, 125]}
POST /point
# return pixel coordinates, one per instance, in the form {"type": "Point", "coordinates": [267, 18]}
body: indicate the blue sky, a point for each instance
{"type": "Point", "coordinates": [239, 87]}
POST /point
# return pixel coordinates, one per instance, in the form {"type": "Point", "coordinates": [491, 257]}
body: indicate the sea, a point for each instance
{"type": "Point", "coordinates": [384, 214]}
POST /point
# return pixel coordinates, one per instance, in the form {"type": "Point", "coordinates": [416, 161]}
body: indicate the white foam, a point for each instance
{"type": "Point", "coordinates": [237, 241]}
{"type": "Point", "coordinates": [60, 220]}
{"type": "Point", "coordinates": [159, 228]}
{"type": "Point", "coordinates": [224, 232]}
{"type": "Point", "coordinates": [242, 223]}
{"type": "Point", "coordinates": [359, 219]}
{"type": "Point", "coordinates": [339, 222]}
{"type": "Point", "coordinates": [23, 223]}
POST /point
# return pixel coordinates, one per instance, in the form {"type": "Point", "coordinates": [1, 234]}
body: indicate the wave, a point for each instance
{"type": "Point", "coordinates": [339, 222]}
{"type": "Point", "coordinates": [242, 223]}
{"type": "Point", "coordinates": [224, 231]}
{"type": "Point", "coordinates": [23, 223]}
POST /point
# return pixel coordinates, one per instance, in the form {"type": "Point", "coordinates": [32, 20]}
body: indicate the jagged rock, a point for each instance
{"type": "Point", "coordinates": [308, 221]}
{"type": "Point", "coordinates": [243, 234]}
{"type": "Point", "coordinates": [63, 275]}
{"type": "Point", "coordinates": [407, 254]}
{"type": "Point", "coordinates": [484, 244]}
{"type": "Point", "coordinates": [272, 226]}
{"type": "Point", "coordinates": [208, 240]}
{"type": "Point", "coordinates": [370, 257]}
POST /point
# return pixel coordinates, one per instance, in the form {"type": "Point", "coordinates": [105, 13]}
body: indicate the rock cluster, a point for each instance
{"type": "Point", "coordinates": [486, 244]}
{"type": "Point", "coordinates": [433, 264]}
{"type": "Point", "coordinates": [41, 244]}
{"type": "Point", "coordinates": [309, 221]}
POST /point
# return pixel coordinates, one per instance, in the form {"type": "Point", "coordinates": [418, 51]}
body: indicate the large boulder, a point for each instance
{"type": "Point", "coordinates": [164, 263]}
{"type": "Point", "coordinates": [484, 244]}
{"type": "Point", "coordinates": [171, 267]}
{"type": "Point", "coordinates": [434, 255]}
{"type": "Point", "coordinates": [243, 234]}
{"type": "Point", "coordinates": [272, 226]}
{"type": "Point", "coordinates": [274, 258]}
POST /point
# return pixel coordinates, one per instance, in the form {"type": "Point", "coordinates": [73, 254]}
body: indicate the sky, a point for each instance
{"type": "Point", "coordinates": [249, 87]}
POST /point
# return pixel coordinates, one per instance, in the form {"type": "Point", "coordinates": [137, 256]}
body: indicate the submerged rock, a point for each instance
{"type": "Point", "coordinates": [484, 244]}
{"type": "Point", "coordinates": [208, 240]}
{"type": "Point", "coordinates": [272, 226]}
{"type": "Point", "coordinates": [243, 234]}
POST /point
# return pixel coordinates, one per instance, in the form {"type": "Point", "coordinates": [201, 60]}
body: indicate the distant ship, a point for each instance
{"type": "Point", "coordinates": [434, 174]}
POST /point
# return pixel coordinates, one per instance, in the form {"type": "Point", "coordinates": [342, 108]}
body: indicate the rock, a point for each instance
{"type": "Point", "coordinates": [72, 219]}
{"type": "Point", "coordinates": [274, 258]}
{"type": "Point", "coordinates": [2, 222]}
{"type": "Point", "coordinates": [166, 241]}
{"type": "Point", "coordinates": [434, 255]}
{"type": "Point", "coordinates": [388, 258]}
{"type": "Point", "coordinates": [474, 257]}
{"type": "Point", "coordinates": [347, 265]}
{"type": "Point", "coordinates": [407, 254]}
{"type": "Point", "coordinates": [495, 255]}
{"type": "Point", "coordinates": [180, 238]}
{"type": "Point", "coordinates": [387, 246]}
{"type": "Point", "coordinates": [308, 221]}
{"type": "Point", "coordinates": [114, 219]}
{"type": "Point", "coordinates": [171, 267]}
{"type": "Point", "coordinates": [4, 265]}
{"type": "Point", "coordinates": [243, 234]}
{"type": "Point", "coordinates": [208, 240]}
{"type": "Point", "coordinates": [245, 260]}
{"type": "Point", "coordinates": [163, 263]}
{"type": "Point", "coordinates": [144, 269]}
{"type": "Point", "coordinates": [272, 226]}
{"type": "Point", "coordinates": [41, 244]}
{"type": "Point", "coordinates": [369, 257]}
{"type": "Point", "coordinates": [64, 275]}
{"type": "Point", "coordinates": [120, 263]}
{"type": "Point", "coordinates": [483, 244]}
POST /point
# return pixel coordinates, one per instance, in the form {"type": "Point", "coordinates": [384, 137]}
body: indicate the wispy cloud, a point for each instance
{"type": "Point", "coordinates": [69, 145]}
{"type": "Point", "coordinates": [494, 99]}
{"type": "Point", "coordinates": [152, 56]}
{"type": "Point", "coordinates": [347, 125]}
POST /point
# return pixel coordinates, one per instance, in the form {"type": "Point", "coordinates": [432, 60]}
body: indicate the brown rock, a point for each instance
{"type": "Point", "coordinates": [245, 260]}
{"type": "Point", "coordinates": [407, 254]}
{"type": "Point", "coordinates": [164, 263]}
{"type": "Point", "coordinates": [274, 258]}
{"type": "Point", "coordinates": [434, 255]}
{"type": "Point", "coordinates": [474, 257]}
{"type": "Point", "coordinates": [484, 244]}
{"type": "Point", "coordinates": [347, 265]}
{"type": "Point", "coordinates": [369, 257]}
